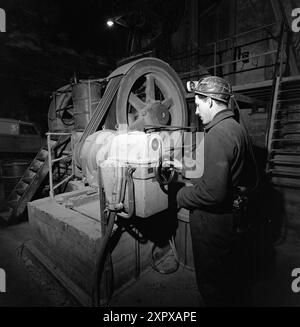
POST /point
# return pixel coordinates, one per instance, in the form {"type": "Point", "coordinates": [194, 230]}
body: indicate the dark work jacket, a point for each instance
{"type": "Point", "coordinates": [226, 159]}
{"type": "Point", "coordinates": [227, 164]}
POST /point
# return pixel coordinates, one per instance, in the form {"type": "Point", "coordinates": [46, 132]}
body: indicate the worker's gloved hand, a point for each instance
{"type": "Point", "coordinates": [175, 164]}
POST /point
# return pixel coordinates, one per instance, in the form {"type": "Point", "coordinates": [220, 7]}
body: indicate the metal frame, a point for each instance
{"type": "Point", "coordinates": [277, 80]}
{"type": "Point", "coordinates": [51, 161]}
{"type": "Point", "coordinates": [215, 50]}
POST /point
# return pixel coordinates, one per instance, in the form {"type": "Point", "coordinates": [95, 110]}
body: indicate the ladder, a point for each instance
{"type": "Point", "coordinates": [283, 138]}
{"type": "Point", "coordinates": [29, 183]}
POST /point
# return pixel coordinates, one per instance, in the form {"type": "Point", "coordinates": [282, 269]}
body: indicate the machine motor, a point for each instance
{"type": "Point", "coordinates": [121, 157]}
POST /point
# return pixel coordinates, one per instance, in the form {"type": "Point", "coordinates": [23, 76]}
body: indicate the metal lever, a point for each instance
{"type": "Point", "coordinates": [129, 181]}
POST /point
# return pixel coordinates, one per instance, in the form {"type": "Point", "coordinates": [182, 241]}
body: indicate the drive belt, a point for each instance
{"type": "Point", "coordinates": [100, 111]}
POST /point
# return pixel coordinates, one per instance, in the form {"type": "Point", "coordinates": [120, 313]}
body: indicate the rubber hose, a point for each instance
{"type": "Point", "coordinates": [101, 258]}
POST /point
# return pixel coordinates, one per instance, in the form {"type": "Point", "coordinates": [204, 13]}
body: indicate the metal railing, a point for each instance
{"type": "Point", "coordinates": [209, 56]}
{"type": "Point", "coordinates": [275, 94]}
{"type": "Point", "coordinates": [52, 161]}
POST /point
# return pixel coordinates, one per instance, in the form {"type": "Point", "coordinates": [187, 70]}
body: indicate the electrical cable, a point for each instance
{"type": "Point", "coordinates": [111, 216]}
{"type": "Point", "coordinates": [161, 177]}
{"type": "Point", "coordinates": [170, 270]}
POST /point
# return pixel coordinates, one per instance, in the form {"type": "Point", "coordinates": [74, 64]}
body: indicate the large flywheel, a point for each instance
{"type": "Point", "coordinates": [141, 93]}
{"type": "Point", "coordinates": [150, 94]}
{"type": "Point", "coordinates": [146, 93]}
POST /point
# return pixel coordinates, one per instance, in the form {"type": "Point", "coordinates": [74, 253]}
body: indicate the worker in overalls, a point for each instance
{"type": "Point", "coordinates": [217, 199]}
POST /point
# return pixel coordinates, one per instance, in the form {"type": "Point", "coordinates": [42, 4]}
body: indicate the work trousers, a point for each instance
{"type": "Point", "coordinates": [222, 259]}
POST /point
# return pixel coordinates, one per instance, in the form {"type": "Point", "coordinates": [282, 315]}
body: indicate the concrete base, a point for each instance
{"type": "Point", "coordinates": [67, 241]}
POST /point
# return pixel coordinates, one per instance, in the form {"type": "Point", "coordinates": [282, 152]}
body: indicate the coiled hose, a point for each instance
{"type": "Point", "coordinates": [170, 270]}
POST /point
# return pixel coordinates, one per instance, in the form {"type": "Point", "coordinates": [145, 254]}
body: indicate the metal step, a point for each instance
{"type": "Point", "coordinates": [276, 172]}
{"type": "Point", "coordinates": [28, 177]}
{"type": "Point", "coordinates": [288, 111]}
{"type": "Point", "coordinates": [42, 155]}
{"type": "Point", "coordinates": [286, 152]}
{"type": "Point", "coordinates": [288, 131]}
{"type": "Point", "coordinates": [284, 90]}
{"type": "Point", "coordinates": [284, 132]}
{"type": "Point", "coordinates": [27, 186]}
{"type": "Point", "coordinates": [285, 182]}
{"type": "Point", "coordinates": [296, 121]}
{"type": "Point", "coordinates": [14, 196]}
{"type": "Point", "coordinates": [36, 165]}
{"type": "Point", "coordinates": [286, 140]}
{"type": "Point", "coordinates": [285, 163]}
{"type": "Point", "coordinates": [285, 121]}
{"type": "Point", "coordinates": [285, 157]}
{"type": "Point", "coordinates": [20, 191]}
{"type": "Point", "coordinates": [11, 204]}
{"type": "Point", "coordinates": [291, 100]}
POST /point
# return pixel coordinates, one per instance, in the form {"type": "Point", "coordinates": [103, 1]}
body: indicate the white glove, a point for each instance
{"type": "Point", "coordinates": [176, 164]}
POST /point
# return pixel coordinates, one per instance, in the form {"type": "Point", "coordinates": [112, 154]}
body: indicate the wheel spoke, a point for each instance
{"type": "Point", "coordinates": [137, 124]}
{"type": "Point", "coordinates": [131, 118]}
{"type": "Point", "coordinates": [136, 102]}
{"type": "Point", "coordinates": [150, 88]}
{"type": "Point", "coordinates": [151, 119]}
{"type": "Point", "coordinates": [168, 102]}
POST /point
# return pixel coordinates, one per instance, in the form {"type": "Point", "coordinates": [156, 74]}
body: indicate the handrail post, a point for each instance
{"type": "Point", "coordinates": [50, 162]}
{"type": "Point", "coordinates": [73, 160]}
{"type": "Point", "coordinates": [273, 113]}
{"type": "Point", "coordinates": [214, 49]}
{"type": "Point", "coordinates": [215, 58]}
{"type": "Point", "coordinates": [277, 75]}
{"type": "Point", "coordinates": [50, 165]}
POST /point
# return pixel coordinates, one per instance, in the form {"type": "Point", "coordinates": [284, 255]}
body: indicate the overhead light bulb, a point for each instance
{"type": "Point", "coordinates": [110, 23]}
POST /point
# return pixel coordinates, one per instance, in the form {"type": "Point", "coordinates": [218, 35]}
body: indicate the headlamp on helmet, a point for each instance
{"type": "Point", "coordinates": [191, 85]}
{"type": "Point", "coordinates": [214, 87]}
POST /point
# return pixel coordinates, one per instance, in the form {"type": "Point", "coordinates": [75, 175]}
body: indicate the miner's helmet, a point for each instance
{"type": "Point", "coordinates": [212, 86]}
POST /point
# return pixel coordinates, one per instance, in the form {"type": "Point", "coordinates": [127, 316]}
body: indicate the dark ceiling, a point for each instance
{"type": "Point", "coordinates": [63, 36]}
{"type": "Point", "coordinates": [48, 41]}
{"type": "Point", "coordinates": [80, 25]}
{"type": "Point", "coordinates": [74, 33]}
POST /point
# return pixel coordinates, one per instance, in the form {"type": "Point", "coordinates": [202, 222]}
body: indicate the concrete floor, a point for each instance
{"type": "Point", "coordinates": [275, 289]}
{"type": "Point", "coordinates": [29, 284]}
